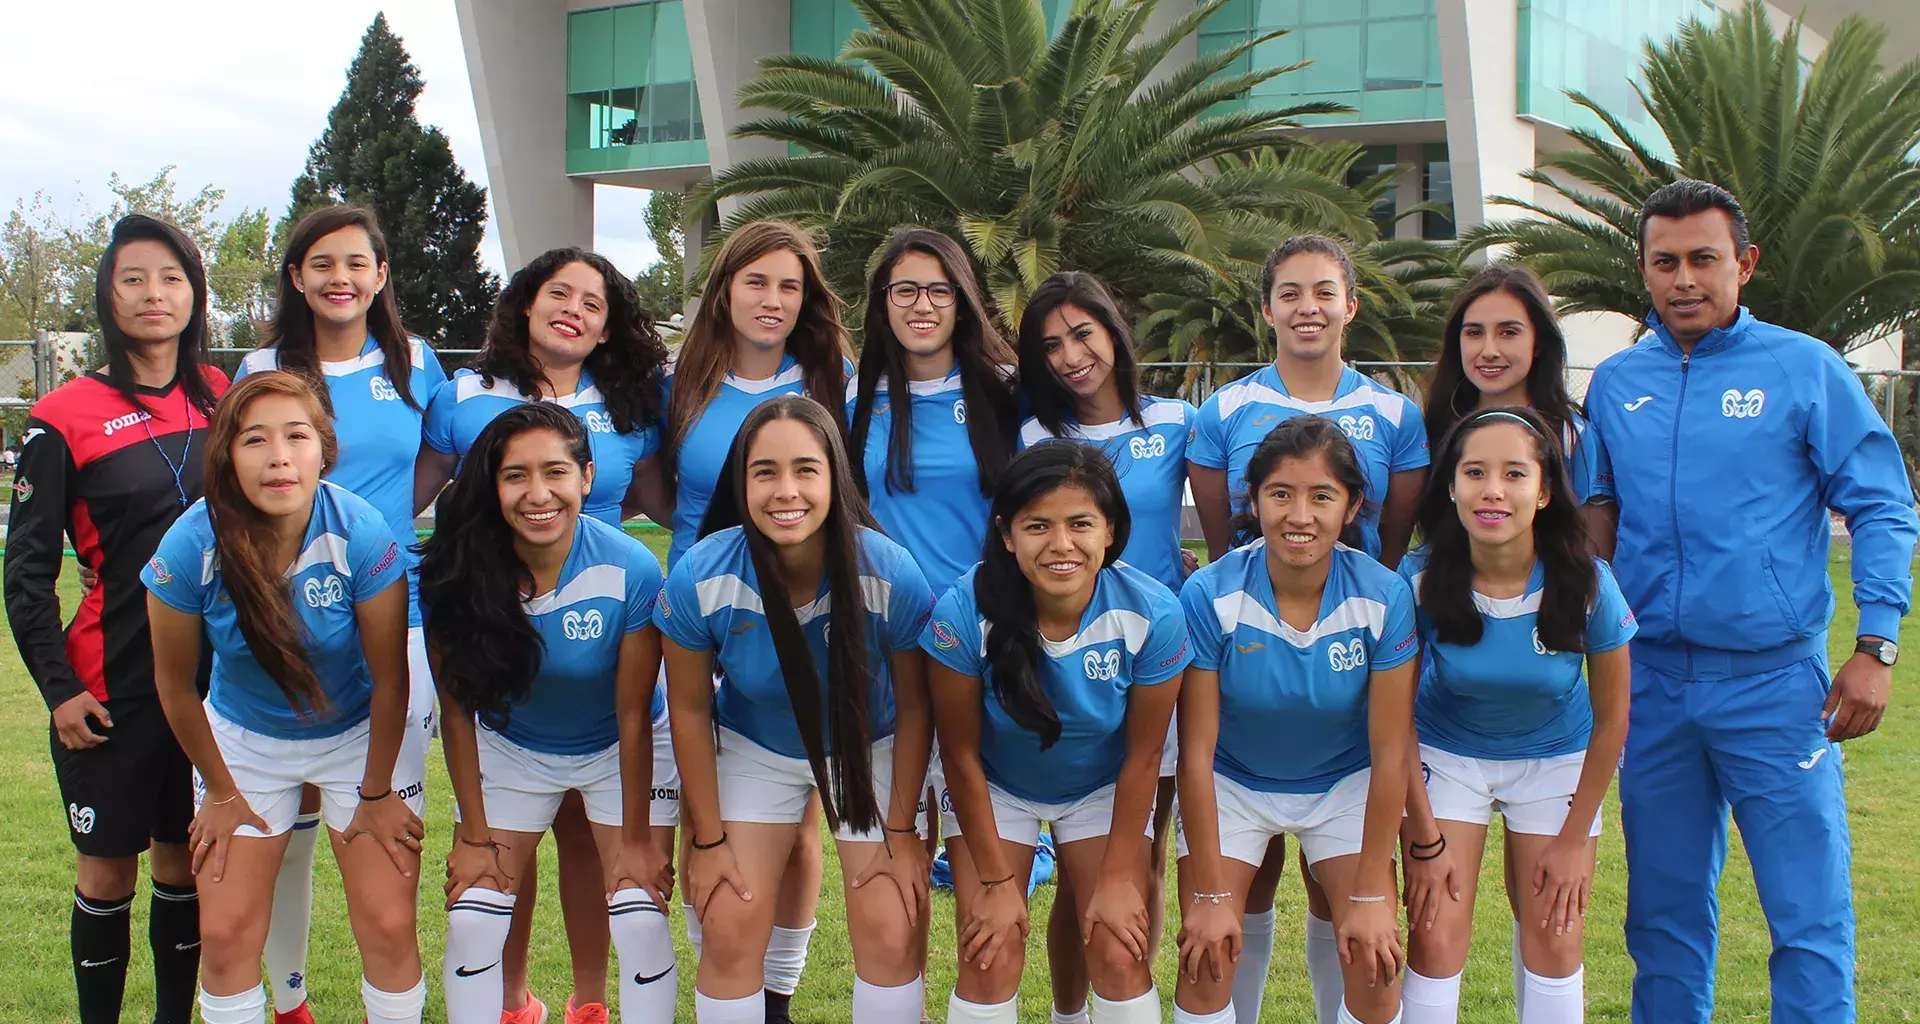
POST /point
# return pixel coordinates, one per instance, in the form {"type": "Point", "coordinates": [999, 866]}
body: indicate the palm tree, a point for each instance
{"type": "Point", "coordinates": [1038, 154]}
{"type": "Point", "coordinates": [1821, 161]}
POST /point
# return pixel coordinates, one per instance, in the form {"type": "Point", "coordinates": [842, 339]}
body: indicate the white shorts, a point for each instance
{"type": "Point", "coordinates": [523, 788]}
{"type": "Point", "coordinates": [1170, 752]}
{"type": "Point", "coordinates": [1018, 820]}
{"type": "Point", "coordinates": [1532, 794]}
{"type": "Point", "coordinates": [1326, 824]}
{"type": "Point", "coordinates": [762, 786]}
{"type": "Point", "coordinates": [421, 722]}
{"type": "Point", "coordinates": [269, 772]}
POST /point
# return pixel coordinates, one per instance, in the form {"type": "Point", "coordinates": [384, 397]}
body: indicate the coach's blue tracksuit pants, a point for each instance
{"type": "Point", "coordinates": [1713, 729]}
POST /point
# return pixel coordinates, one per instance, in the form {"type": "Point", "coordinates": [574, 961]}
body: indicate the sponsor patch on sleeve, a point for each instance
{"type": "Point", "coordinates": [22, 489]}
{"type": "Point", "coordinates": [1177, 655]}
{"type": "Point", "coordinates": [944, 637]}
{"type": "Point", "coordinates": [1404, 644]}
{"type": "Point", "coordinates": [160, 573]}
{"type": "Point", "coordinates": [666, 609]}
{"type": "Point", "coordinates": [386, 561]}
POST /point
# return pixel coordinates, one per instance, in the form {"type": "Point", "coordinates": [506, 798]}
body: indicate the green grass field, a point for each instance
{"type": "Point", "coordinates": [36, 977]}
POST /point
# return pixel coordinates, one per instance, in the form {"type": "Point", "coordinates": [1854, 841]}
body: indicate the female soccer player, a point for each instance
{"type": "Point", "coordinates": [1503, 346]}
{"type": "Point", "coordinates": [301, 589]}
{"type": "Point", "coordinates": [337, 327]}
{"type": "Point", "coordinates": [1511, 603]}
{"type": "Point", "coordinates": [111, 460]}
{"type": "Point", "coordinates": [541, 630]}
{"type": "Point", "coordinates": [1077, 366]}
{"type": "Point", "coordinates": [1056, 670]}
{"type": "Point", "coordinates": [1296, 718]}
{"type": "Point", "coordinates": [770, 326]}
{"type": "Point", "coordinates": [568, 329]}
{"type": "Point", "coordinates": [1307, 295]}
{"type": "Point", "coordinates": [810, 619]}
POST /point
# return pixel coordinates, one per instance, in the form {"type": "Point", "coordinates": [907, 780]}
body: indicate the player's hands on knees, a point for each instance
{"type": "Point", "coordinates": [1369, 935]}
{"type": "Point", "coordinates": [476, 860]}
{"type": "Point", "coordinates": [1428, 881]}
{"type": "Point", "coordinates": [211, 835]}
{"type": "Point", "coordinates": [996, 924]}
{"type": "Point", "coordinates": [1209, 938]}
{"type": "Point", "coordinates": [639, 863]}
{"type": "Point", "coordinates": [708, 870]}
{"type": "Point", "coordinates": [70, 721]}
{"type": "Point", "coordinates": [1118, 906]}
{"type": "Point", "coordinates": [902, 858]}
{"type": "Point", "coordinates": [1563, 880]}
{"type": "Point", "coordinates": [393, 825]}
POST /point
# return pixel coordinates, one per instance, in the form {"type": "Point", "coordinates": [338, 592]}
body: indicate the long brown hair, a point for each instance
{"type": "Point", "coordinates": [243, 540]}
{"type": "Point", "coordinates": [292, 329]}
{"type": "Point", "coordinates": [818, 342]}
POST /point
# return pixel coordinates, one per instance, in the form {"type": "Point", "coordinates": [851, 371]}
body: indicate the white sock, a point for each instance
{"type": "Point", "coordinates": [787, 957]}
{"type": "Point", "coordinates": [693, 930]}
{"type": "Point", "coordinates": [888, 1004]}
{"type": "Point", "coordinates": [1555, 1000]}
{"type": "Point", "coordinates": [744, 1010]}
{"type": "Point", "coordinates": [287, 929]}
{"type": "Point", "coordinates": [649, 976]}
{"type": "Point", "coordinates": [1141, 1009]}
{"type": "Point", "coordinates": [1427, 1000]}
{"type": "Point", "coordinates": [1519, 976]}
{"type": "Point", "coordinates": [1345, 1016]}
{"type": "Point", "coordinates": [470, 974]}
{"type": "Point", "coordinates": [1076, 1017]}
{"type": "Point", "coordinates": [1323, 969]}
{"type": "Point", "coordinates": [1224, 1016]}
{"type": "Point", "coordinates": [1256, 955]}
{"type": "Point", "coordinates": [249, 1007]}
{"type": "Point", "coordinates": [394, 1007]}
{"type": "Point", "coordinates": [959, 1011]}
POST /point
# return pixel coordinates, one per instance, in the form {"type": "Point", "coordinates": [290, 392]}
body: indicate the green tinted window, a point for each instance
{"type": "Point", "coordinates": [1596, 49]}
{"type": "Point", "coordinates": [1380, 57]}
{"type": "Point", "coordinates": [631, 100]}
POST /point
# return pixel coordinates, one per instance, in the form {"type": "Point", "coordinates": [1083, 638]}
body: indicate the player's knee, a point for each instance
{"type": "Point", "coordinates": [887, 944]}
{"type": "Point", "coordinates": [1439, 952]}
{"type": "Point", "coordinates": [727, 940]}
{"type": "Point", "coordinates": [1111, 963]}
{"type": "Point", "coordinates": [106, 879]}
{"type": "Point", "coordinates": [230, 932]}
{"type": "Point", "coordinates": [388, 927]}
{"type": "Point", "coordinates": [1549, 955]}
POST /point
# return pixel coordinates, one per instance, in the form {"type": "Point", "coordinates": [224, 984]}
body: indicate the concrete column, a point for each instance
{"type": "Point", "coordinates": [1410, 188]}
{"type": "Point", "coordinates": [1184, 52]}
{"type": "Point", "coordinates": [1488, 144]}
{"type": "Point", "coordinates": [517, 64]}
{"type": "Point", "coordinates": [728, 37]}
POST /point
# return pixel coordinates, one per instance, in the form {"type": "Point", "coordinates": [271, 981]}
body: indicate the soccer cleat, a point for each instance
{"type": "Point", "coordinates": [535, 1012]}
{"type": "Point", "coordinates": [592, 1013]}
{"type": "Point", "coordinates": [298, 1015]}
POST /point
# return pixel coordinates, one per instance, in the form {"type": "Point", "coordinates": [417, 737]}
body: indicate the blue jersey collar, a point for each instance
{"type": "Point", "coordinates": [1713, 341]}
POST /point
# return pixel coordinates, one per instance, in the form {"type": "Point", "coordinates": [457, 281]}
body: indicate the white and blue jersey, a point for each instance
{"type": "Point", "coordinates": [1509, 698]}
{"type": "Point", "coordinates": [1586, 459]}
{"type": "Point", "coordinates": [1384, 425]}
{"type": "Point", "coordinates": [348, 556]}
{"type": "Point", "coordinates": [464, 406]}
{"type": "Point", "coordinates": [379, 434]}
{"type": "Point", "coordinates": [606, 590]}
{"type": "Point", "coordinates": [1132, 634]}
{"type": "Point", "coordinates": [1293, 703]}
{"type": "Point", "coordinates": [712, 603]}
{"type": "Point", "coordinates": [1151, 462]}
{"type": "Point", "coordinates": [943, 520]}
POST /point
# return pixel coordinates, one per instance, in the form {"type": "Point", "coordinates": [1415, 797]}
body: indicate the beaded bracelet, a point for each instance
{"type": "Point", "coordinates": [1367, 899]}
{"type": "Point", "coordinates": [1215, 898]}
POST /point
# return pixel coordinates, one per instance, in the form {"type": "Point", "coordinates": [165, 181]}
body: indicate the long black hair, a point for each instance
{"type": "Point", "coordinates": [1559, 542]}
{"type": "Point", "coordinates": [627, 367]}
{"type": "Point", "coordinates": [1003, 593]}
{"type": "Point", "coordinates": [472, 579]}
{"type": "Point", "coordinates": [1303, 437]}
{"type": "Point", "coordinates": [1451, 396]}
{"type": "Point", "coordinates": [1048, 399]}
{"type": "Point", "coordinates": [978, 351]}
{"type": "Point", "coordinates": [292, 329]}
{"type": "Point", "coordinates": [846, 779]}
{"type": "Point", "coordinates": [190, 353]}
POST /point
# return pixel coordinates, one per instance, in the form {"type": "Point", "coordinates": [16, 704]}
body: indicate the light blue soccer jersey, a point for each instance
{"type": "Point", "coordinates": [1293, 703]}
{"type": "Point", "coordinates": [348, 556]}
{"type": "Point", "coordinates": [943, 520]}
{"type": "Point", "coordinates": [607, 589]}
{"type": "Point", "coordinates": [1507, 697]}
{"type": "Point", "coordinates": [466, 404]}
{"type": "Point", "coordinates": [1586, 458]}
{"type": "Point", "coordinates": [379, 433]}
{"type": "Point", "coordinates": [1151, 462]}
{"type": "Point", "coordinates": [712, 603]}
{"type": "Point", "coordinates": [1385, 426]}
{"type": "Point", "coordinates": [1132, 634]}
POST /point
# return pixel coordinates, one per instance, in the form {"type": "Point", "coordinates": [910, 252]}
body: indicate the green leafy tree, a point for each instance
{"type": "Point", "coordinates": [1821, 160]}
{"type": "Point", "coordinates": [1076, 151]}
{"type": "Point", "coordinates": [243, 276]}
{"type": "Point", "coordinates": [375, 152]}
{"type": "Point", "coordinates": [36, 268]}
{"type": "Point", "coordinates": [663, 285]}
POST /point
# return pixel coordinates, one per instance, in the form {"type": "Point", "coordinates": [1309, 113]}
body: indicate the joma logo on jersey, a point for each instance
{"type": "Point", "coordinates": [324, 593]}
{"type": "Point", "coordinates": [1342, 657]}
{"type": "Point", "coordinates": [121, 422]}
{"type": "Point", "coordinates": [383, 390]}
{"type": "Point", "coordinates": [598, 422]}
{"type": "Point", "coordinates": [960, 411]}
{"type": "Point", "coordinates": [591, 626]}
{"type": "Point", "coordinates": [1742, 406]}
{"type": "Point", "coordinates": [1147, 447]}
{"type": "Point", "coordinates": [1359, 428]}
{"type": "Point", "coordinates": [1099, 667]}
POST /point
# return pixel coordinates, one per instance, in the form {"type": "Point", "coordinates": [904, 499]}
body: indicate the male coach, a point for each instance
{"type": "Point", "coordinates": [1730, 439]}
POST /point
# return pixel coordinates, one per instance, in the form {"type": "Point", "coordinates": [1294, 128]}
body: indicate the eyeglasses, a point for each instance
{"type": "Point", "coordinates": [906, 294]}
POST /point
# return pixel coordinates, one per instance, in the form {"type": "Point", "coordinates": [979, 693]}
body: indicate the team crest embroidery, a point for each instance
{"type": "Point", "coordinates": [22, 489]}
{"type": "Point", "coordinates": [160, 573]}
{"type": "Point", "coordinates": [944, 637]}
{"type": "Point", "coordinates": [1735, 404]}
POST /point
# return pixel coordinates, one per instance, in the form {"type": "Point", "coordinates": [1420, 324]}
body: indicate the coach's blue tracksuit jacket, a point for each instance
{"type": "Point", "coordinates": [1724, 462]}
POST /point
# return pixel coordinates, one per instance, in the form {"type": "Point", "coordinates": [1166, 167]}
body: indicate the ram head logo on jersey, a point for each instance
{"type": "Point", "coordinates": [1103, 668]}
{"type": "Point", "coordinates": [1147, 447]}
{"type": "Point", "coordinates": [382, 390]}
{"type": "Point", "coordinates": [1358, 428]}
{"type": "Point", "coordinates": [1736, 405]}
{"type": "Point", "coordinates": [1352, 654]}
{"type": "Point", "coordinates": [598, 422]}
{"type": "Point", "coordinates": [324, 593]}
{"type": "Point", "coordinates": [1538, 647]}
{"type": "Point", "coordinates": [960, 411]}
{"type": "Point", "coordinates": [591, 626]}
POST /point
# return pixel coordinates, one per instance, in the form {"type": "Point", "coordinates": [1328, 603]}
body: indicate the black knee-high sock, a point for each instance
{"type": "Point", "coordinates": [778, 1005]}
{"type": "Point", "coordinates": [173, 927]}
{"type": "Point", "coordinates": [101, 941]}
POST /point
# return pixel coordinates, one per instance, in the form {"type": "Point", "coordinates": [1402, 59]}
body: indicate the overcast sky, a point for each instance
{"type": "Point", "coordinates": [233, 92]}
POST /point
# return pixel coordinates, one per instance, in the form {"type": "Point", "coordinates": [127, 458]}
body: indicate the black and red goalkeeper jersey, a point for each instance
{"type": "Point", "coordinates": [91, 469]}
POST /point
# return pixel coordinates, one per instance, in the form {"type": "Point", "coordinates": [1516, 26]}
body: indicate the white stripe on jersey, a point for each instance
{"type": "Point", "coordinates": [1388, 404]}
{"type": "Point", "coordinates": [1493, 607]}
{"type": "Point", "coordinates": [1113, 624]}
{"type": "Point", "coordinates": [1243, 609]}
{"type": "Point", "coordinates": [1155, 414]}
{"type": "Point", "coordinates": [938, 386]}
{"type": "Point", "coordinates": [594, 581]}
{"type": "Point", "coordinates": [328, 547]}
{"type": "Point", "coordinates": [730, 591]}
{"type": "Point", "coordinates": [269, 359]}
{"type": "Point", "coordinates": [791, 375]}
{"type": "Point", "coordinates": [472, 385]}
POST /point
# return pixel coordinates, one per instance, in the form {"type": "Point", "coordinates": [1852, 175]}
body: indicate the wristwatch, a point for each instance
{"type": "Point", "coordinates": [1886, 652]}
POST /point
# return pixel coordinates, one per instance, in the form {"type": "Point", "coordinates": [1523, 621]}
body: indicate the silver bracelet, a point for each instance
{"type": "Point", "coordinates": [1214, 897]}
{"type": "Point", "coordinates": [1367, 899]}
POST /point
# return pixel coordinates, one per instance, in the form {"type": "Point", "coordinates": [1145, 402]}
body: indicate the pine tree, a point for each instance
{"type": "Point", "coordinates": [375, 152]}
